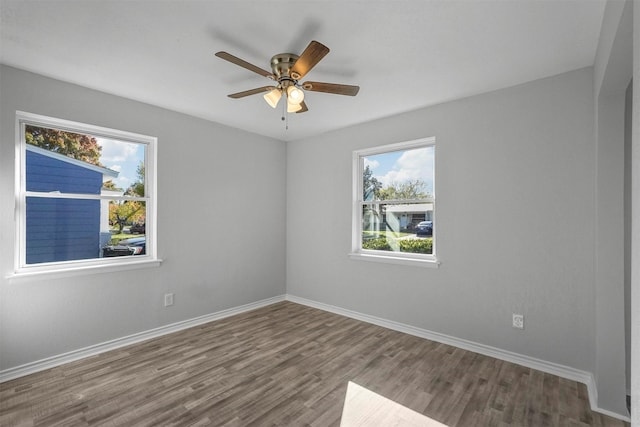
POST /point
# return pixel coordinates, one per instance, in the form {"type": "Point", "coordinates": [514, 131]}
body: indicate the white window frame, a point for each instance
{"type": "Point", "coordinates": [357, 252]}
{"type": "Point", "coordinates": [73, 267]}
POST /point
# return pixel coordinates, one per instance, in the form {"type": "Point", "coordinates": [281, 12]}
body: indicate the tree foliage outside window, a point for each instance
{"type": "Point", "coordinates": [75, 145]}
{"type": "Point", "coordinates": [123, 212]}
{"type": "Point", "coordinates": [410, 189]}
{"type": "Point", "coordinates": [396, 190]}
{"type": "Point", "coordinates": [371, 186]}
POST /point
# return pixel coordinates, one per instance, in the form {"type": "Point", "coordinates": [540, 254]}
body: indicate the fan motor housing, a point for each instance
{"type": "Point", "coordinates": [281, 65]}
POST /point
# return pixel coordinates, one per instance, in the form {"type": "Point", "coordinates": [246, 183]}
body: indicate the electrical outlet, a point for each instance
{"type": "Point", "coordinates": [518, 321]}
{"type": "Point", "coordinates": [168, 300]}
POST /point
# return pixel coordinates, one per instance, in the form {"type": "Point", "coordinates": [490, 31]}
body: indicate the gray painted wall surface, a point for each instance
{"type": "Point", "coordinates": [635, 227]}
{"type": "Point", "coordinates": [609, 257]}
{"type": "Point", "coordinates": [628, 106]}
{"type": "Point", "coordinates": [514, 212]}
{"type": "Point", "coordinates": [614, 61]}
{"type": "Point", "coordinates": [221, 202]}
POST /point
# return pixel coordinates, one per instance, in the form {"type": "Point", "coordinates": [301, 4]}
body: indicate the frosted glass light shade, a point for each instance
{"type": "Point", "coordinates": [294, 95]}
{"type": "Point", "coordinates": [292, 108]}
{"type": "Point", "coordinates": [273, 97]}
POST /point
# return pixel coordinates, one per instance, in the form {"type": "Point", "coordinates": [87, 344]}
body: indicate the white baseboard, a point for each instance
{"type": "Point", "coordinates": [562, 371]}
{"type": "Point", "coordinates": [52, 362]}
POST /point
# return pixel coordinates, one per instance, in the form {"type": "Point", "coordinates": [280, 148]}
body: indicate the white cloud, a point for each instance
{"type": "Point", "coordinates": [371, 163]}
{"type": "Point", "coordinates": [411, 165]}
{"type": "Point", "coordinates": [122, 181]}
{"type": "Point", "coordinates": [116, 151]}
{"type": "Point", "coordinates": [123, 157]}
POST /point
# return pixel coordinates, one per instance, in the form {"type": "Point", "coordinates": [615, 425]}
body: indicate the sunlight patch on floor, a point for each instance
{"type": "Point", "coordinates": [362, 408]}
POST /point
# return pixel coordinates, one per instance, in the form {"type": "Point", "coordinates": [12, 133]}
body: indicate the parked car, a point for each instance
{"type": "Point", "coordinates": [424, 228]}
{"type": "Point", "coordinates": [126, 247]}
{"type": "Point", "coordinates": [137, 228]}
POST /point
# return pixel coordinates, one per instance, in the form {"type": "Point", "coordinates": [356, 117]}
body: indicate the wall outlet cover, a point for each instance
{"type": "Point", "coordinates": [518, 321]}
{"type": "Point", "coordinates": [168, 300]}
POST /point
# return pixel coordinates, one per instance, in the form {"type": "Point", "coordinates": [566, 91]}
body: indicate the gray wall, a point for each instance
{"type": "Point", "coordinates": [515, 221]}
{"type": "Point", "coordinates": [613, 72]}
{"type": "Point", "coordinates": [221, 222]}
{"type": "Point", "coordinates": [628, 106]}
{"type": "Point", "coordinates": [635, 225]}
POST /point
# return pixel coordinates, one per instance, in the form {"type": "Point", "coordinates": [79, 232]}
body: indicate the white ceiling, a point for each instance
{"type": "Point", "coordinates": [403, 54]}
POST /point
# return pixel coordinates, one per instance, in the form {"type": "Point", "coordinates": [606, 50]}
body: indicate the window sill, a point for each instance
{"type": "Point", "coordinates": [83, 270]}
{"type": "Point", "coordinates": [387, 259]}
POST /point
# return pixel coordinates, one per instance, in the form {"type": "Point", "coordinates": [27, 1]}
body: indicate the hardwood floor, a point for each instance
{"type": "Point", "coordinates": [289, 365]}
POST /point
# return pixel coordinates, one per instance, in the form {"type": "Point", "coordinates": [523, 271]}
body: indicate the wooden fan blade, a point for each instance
{"type": "Point", "coordinates": [244, 64]}
{"type": "Point", "coordinates": [309, 58]}
{"type": "Point", "coordinates": [331, 88]}
{"type": "Point", "coordinates": [252, 92]}
{"type": "Point", "coordinates": [304, 108]}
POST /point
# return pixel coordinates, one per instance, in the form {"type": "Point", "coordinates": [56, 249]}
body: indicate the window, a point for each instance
{"type": "Point", "coordinates": [394, 203]}
{"type": "Point", "coordinates": [85, 196]}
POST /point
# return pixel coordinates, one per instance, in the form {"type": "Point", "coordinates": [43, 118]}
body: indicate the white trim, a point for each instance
{"type": "Point", "coordinates": [398, 146]}
{"type": "Point", "coordinates": [562, 371]}
{"type": "Point", "coordinates": [71, 126]}
{"type": "Point", "coordinates": [131, 263]}
{"type": "Point", "coordinates": [79, 196]}
{"type": "Point", "coordinates": [75, 267]}
{"type": "Point", "coordinates": [52, 362]}
{"type": "Point", "coordinates": [357, 202]}
{"type": "Point", "coordinates": [416, 262]}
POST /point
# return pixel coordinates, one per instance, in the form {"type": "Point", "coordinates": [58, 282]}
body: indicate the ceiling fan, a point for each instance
{"type": "Point", "coordinates": [287, 71]}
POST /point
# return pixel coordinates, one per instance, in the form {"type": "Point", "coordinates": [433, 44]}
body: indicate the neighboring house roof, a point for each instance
{"type": "Point", "coordinates": [110, 192]}
{"type": "Point", "coordinates": [410, 208]}
{"type": "Point", "coordinates": [66, 159]}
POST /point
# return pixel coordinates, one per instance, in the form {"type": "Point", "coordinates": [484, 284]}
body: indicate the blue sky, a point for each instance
{"type": "Point", "coordinates": [123, 157]}
{"type": "Point", "coordinates": [401, 166]}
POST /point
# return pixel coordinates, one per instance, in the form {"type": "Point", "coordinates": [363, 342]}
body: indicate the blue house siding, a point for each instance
{"type": "Point", "coordinates": [49, 174]}
{"type": "Point", "coordinates": [61, 229]}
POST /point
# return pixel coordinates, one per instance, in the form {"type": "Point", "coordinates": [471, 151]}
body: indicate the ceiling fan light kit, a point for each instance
{"type": "Point", "coordinates": [286, 70]}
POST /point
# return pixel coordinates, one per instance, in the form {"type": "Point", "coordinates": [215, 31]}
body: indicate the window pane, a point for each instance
{"type": "Point", "coordinates": [128, 229]}
{"type": "Point", "coordinates": [83, 148]}
{"type": "Point", "coordinates": [62, 229]}
{"type": "Point", "coordinates": [405, 227]}
{"type": "Point", "coordinates": [66, 229]}
{"type": "Point", "coordinates": [127, 216]}
{"type": "Point", "coordinates": [128, 159]}
{"type": "Point", "coordinates": [399, 175]}
{"type": "Point", "coordinates": [69, 162]}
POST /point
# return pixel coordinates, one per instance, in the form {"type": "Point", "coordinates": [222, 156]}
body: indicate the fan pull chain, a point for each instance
{"type": "Point", "coordinates": [285, 116]}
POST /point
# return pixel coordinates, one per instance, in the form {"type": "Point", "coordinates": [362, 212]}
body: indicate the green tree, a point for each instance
{"type": "Point", "coordinates": [110, 185]}
{"type": "Point", "coordinates": [137, 188]}
{"type": "Point", "coordinates": [122, 212]}
{"type": "Point", "coordinates": [411, 189]}
{"type": "Point", "coordinates": [74, 145]}
{"type": "Point", "coordinates": [371, 186]}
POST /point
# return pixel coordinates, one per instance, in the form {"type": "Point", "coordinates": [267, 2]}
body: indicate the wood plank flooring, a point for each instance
{"type": "Point", "coordinates": [289, 365]}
